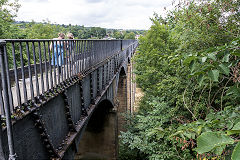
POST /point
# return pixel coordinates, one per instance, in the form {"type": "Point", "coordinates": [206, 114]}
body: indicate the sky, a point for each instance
{"type": "Point", "coordinates": [117, 14]}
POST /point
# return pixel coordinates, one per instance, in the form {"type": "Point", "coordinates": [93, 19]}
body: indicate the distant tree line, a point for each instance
{"type": "Point", "coordinates": [11, 29]}
{"type": "Point", "coordinates": [47, 30]}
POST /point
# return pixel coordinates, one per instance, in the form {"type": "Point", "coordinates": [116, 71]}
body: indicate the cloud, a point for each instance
{"type": "Point", "coordinates": [124, 14]}
{"type": "Point", "coordinates": [93, 1]}
{"type": "Point", "coordinates": [36, 1]}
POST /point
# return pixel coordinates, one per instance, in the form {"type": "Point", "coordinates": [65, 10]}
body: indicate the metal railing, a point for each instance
{"type": "Point", "coordinates": [29, 68]}
{"type": "Point", "coordinates": [33, 67]}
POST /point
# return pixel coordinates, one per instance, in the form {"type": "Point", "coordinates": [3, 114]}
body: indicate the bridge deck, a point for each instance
{"type": "Point", "coordinates": [37, 55]}
{"type": "Point", "coordinates": [41, 81]}
{"type": "Point", "coordinates": [29, 82]}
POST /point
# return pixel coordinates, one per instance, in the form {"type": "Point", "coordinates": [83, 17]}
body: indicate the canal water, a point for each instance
{"type": "Point", "coordinates": [100, 139]}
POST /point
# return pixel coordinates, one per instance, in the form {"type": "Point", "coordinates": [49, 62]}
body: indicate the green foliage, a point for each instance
{"type": "Point", "coordinates": [149, 134]}
{"type": "Point", "coordinates": [129, 154]}
{"type": "Point", "coordinates": [44, 30]}
{"type": "Point", "coordinates": [188, 66]}
{"type": "Point", "coordinates": [236, 152]}
{"type": "Point", "coordinates": [118, 35]}
{"type": "Point", "coordinates": [216, 131]}
{"type": "Point", "coordinates": [9, 29]}
{"type": "Point", "coordinates": [8, 11]}
{"type": "Point", "coordinates": [130, 35]}
{"type": "Point", "coordinates": [212, 140]}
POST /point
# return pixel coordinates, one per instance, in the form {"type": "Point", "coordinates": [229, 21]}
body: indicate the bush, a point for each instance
{"type": "Point", "coordinates": [188, 66]}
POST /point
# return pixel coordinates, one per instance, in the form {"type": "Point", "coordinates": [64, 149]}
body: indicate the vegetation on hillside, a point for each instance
{"type": "Point", "coordinates": [47, 30]}
{"type": "Point", "coordinates": [11, 29]}
{"type": "Point", "coordinates": [188, 66]}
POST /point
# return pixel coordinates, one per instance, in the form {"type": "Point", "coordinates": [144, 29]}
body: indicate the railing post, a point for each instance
{"type": "Point", "coordinates": [121, 45]}
{"type": "Point", "coordinates": [12, 154]}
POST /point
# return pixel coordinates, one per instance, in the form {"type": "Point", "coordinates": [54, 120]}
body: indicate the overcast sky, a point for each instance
{"type": "Point", "coordinates": [118, 14]}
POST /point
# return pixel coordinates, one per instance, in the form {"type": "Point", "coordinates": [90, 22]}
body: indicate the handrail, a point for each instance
{"type": "Point", "coordinates": [34, 66]}
{"type": "Point", "coordinates": [31, 67]}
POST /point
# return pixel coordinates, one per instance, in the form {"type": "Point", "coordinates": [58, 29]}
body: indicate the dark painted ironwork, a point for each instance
{"type": "Point", "coordinates": [91, 88]}
{"type": "Point", "coordinates": [83, 109]}
{"type": "Point", "coordinates": [103, 73]}
{"type": "Point", "coordinates": [107, 75]}
{"type": "Point", "coordinates": [32, 78]}
{"type": "Point", "coordinates": [42, 76]}
{"type": "Point", "coordinates": [98, 82]}
{"type": "Point", "coordinates": [44, 136]}
{"type": "Point", "coordinates": [23, 73]}
{"type": "Point", "coordinates": [16, 76]}
{"type": "Point", "coordinates": [68, 115]}
{"type": "Point", "coordinates": [12, 154]}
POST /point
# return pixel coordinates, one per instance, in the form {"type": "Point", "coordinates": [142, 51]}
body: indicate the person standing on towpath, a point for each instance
{"type": "Point", "coordinates": [58, 52]}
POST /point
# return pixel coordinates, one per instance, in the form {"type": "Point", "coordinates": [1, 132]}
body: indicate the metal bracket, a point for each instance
{"type": "Point", "coordinates": [84, 111]}
{"type": "Point", "coordinates": [68, 115]}
{"type": "Point", "coordinates": [44, 136]}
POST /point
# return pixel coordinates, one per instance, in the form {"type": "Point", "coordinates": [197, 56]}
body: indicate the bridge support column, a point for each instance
{"type": "Point", "coordinates": [99, 138]}
{"type": "Point", "coordinates": [123, 103]}
{"type": "Point", "coordinates": [131, 85]}
{"type": "Point", "coordinates": [121, 108]}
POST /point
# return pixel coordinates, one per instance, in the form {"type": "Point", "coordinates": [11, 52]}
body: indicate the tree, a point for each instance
{"type": "Point", "coordinates": [44, 30]}
{"type": "Point", "coordinates": [118, 35]}
{"type": "Point", "coordinates": [130, 35]}
{"type": "Point", "coordinates": [8, 11]}
{"type": "Point", "coordinates": [187, 65]}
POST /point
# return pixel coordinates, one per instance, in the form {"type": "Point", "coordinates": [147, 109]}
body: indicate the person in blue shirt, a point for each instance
{"type": "Point", "coordinates": [58, 52]}
{"type": "Point", "coordinates": [70, 50]}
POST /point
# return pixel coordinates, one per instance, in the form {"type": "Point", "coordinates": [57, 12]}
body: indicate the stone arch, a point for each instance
{"type": "Point", "coordinates": [98, 141]}
{"type": "Point", "coordinates": [123, 71]}
{"type": "Point", "coordinates": [97, 119]}
{"type": "Point", "coordinates": [128, 59]}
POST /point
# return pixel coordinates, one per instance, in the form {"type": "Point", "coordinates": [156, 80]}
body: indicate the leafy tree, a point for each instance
{"type": "Point", "coordinates": [8, 11]}
{"type": "Point", "coordinates": [130, 35]}
{"type": "Point", "coordinates": [187, 65]}
{"type": "Point", "coordinates": [44, 30]}
{"type": "Point", "coordinates": [98, 32]}
{"type": "Point", "coordinates": [118, 35]}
